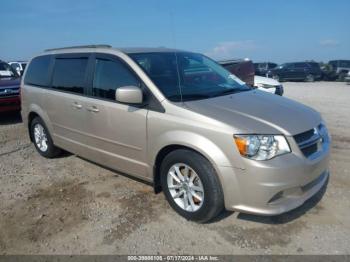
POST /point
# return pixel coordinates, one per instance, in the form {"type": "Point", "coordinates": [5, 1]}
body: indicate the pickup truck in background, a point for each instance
{"type": "Point", "coordinates": [19, 66]}
{"type": "Point", "coordinates": [242, 68]}
{"type": "Point", "coordinates": [262, 68]}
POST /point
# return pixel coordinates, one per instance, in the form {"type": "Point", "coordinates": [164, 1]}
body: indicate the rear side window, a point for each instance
{"type": "Point", "coordinates": [262, 66]}
{"type": "Point", "coordinates": [301, 65]}
{"type": "Point", "coordinates": [344, 64]}
{"type": "Point", "coordinates": [69, 74]}
{"type": "Point", "coordinates": [110, 75]}
{"type": "Point", "coordinates": [38, 72]}
{"type": "Point", "coordinates": [314, 65]}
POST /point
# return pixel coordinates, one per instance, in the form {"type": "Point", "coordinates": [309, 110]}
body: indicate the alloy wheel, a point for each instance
{"type": "Point", "coordinates": [40, 137]}
{"type": "Point", "coordinates": [185, 187]}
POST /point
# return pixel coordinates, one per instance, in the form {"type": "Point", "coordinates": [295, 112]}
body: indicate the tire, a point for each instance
{"type": "Point", "coordinates": [43, 144]}
{"type": "Point", "coordinates": [205, 177]}
{"type": "Point", "coordinates": [277, 78]}
{"type": "Point", "coordinates": [310, 78]}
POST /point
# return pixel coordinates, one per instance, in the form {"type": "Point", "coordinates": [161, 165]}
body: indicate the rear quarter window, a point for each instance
{"type": "Point", "coordinates": [38, 72]}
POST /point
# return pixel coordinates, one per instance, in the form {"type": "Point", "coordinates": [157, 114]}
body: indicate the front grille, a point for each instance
{"type": "Point", "coordinates": [304, 136]}
{"type": "Point", "coordinates": [308, 141]}
{"type": "Point", "coordinates": [8, 92]}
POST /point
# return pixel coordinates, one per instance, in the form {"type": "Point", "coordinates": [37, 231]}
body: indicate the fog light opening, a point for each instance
{"type": "Point", "coordinates": [276, 197]}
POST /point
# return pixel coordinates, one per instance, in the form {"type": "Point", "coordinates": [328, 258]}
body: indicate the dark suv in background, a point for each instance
{"type": "Point", "coordinates": [242, 68]}
{"type": "Point", "coordinates": [304, 71]}
{"type": "Point", "coordinates": [9, 88]}
{"type": "Point", "coordinates": [261, 69]}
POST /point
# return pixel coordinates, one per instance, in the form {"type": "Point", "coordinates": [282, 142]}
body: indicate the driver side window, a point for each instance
{"type": "Point", "coordinates": [110, 75]}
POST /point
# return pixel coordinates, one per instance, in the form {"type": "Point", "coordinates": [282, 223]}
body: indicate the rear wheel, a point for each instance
{"type": "Point", "coordinates": [42, 139]}
{"type": "Point", "coordinates": [191, 185]}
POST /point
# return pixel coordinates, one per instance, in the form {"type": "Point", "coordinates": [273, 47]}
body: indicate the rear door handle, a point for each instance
{"type": "Point", "coordinates": [77, 106]}
{"type": "Point", "coordinates": [93, 109]}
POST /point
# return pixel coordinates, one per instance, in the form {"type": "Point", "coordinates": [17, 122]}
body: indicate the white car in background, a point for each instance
{"type": "Point", "coordinates": [347, 78]}
{"type": "Point", "coordinates": [268, 85]}
{"type": "Point", "coordinates": [18, 66]}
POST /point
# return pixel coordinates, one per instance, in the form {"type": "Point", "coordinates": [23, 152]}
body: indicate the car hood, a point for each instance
{"type": "Point", "coordinates": [9, 82]}
{"type": "Point", "coordinates": [265, 81]}
{"type": "Point", "coordinates": [258, 112]}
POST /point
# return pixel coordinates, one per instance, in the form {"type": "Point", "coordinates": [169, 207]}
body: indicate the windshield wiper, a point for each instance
{"type": "Point", "coordinates": [188, 97]}
{"type": "Point", "coordinates": [230, 91]}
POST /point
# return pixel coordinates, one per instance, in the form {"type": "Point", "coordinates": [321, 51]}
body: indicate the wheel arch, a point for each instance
{"type": "Point", "coordinates": [205, 148]}
{"type": "Point", "coordinates": [36, 111]}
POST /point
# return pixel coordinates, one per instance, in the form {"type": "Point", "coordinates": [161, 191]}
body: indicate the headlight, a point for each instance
{"type": "Point", "coordinates": [261, 147]}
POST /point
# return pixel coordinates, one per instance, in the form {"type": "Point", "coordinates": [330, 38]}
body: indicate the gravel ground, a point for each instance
{"type": "Point", "coordinates": [70, 206]}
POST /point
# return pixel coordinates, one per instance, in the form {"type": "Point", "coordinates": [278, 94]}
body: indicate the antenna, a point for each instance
{"type": "Point", "coordinates": [172, 28]}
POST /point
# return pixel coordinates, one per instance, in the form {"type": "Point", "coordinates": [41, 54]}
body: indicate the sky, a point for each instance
{"type": "Point", "coordinates": [271, 30]}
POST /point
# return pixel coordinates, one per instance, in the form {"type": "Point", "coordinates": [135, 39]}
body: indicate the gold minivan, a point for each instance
{"type": "Point", "coordinates": [180, 121]}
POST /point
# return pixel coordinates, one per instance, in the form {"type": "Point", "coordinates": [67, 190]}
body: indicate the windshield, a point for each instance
{"type": "Point", "coordinates": [186, 76]}
{"type": "Point", "coordinates": [7, 71]}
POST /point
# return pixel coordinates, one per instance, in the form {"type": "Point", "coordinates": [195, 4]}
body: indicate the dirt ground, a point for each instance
{"type": "Point", "coordinates": [70, 206]}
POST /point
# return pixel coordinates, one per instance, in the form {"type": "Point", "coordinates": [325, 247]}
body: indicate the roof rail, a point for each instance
{"type": "Point", "coordinates": [79, 46]}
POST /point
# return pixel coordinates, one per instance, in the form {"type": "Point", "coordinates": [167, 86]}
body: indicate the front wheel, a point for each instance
{"type": "Point", "coordinates": [191, 185]}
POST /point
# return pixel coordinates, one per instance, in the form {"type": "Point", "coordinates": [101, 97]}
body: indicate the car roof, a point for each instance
{"type": "Point", "coordinates": [18, 61]}
{"type": "Point", "coordinates": [134, 50]}
{"type": "Point", "coordinates": [126, 50]}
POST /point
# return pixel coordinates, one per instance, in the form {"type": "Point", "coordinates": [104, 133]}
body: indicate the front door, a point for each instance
{"type": "Point", "coordinates": [289, 71]}
{"type": "Point", "coordinates": [117, 132]}
{"type": "Point", "coordinates": [301, 70]}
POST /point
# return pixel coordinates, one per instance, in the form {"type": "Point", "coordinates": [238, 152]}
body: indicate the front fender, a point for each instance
{"type": "Point", "coordinates": [191, 140]}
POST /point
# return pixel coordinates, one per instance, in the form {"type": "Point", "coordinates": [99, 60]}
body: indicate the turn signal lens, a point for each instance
{"type": "Point", "coordinates": [241, 145]}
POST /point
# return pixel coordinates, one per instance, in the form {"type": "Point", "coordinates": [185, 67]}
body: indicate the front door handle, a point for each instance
{"type": "Point", "coordinates": [93, 109]}
{"type": "Point", "coordinates": [77, 106]}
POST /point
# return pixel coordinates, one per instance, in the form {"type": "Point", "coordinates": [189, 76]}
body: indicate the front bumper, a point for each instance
{"type": "Point", "coordinates": [279, 90]}
{"type": "Point", "coordinates": [275, 186]}
{"type": "Point", "coordinates": [12, 103]}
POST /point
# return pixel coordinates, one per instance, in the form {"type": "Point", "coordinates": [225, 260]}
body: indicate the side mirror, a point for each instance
{"type": "Point", "coordinates": [129, 95]}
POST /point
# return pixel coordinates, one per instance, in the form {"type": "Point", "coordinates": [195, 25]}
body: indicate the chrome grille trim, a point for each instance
{"type": "Point", "coordinates": [309, 141]}
{"type": "Point", "coordinates": [316, 137]}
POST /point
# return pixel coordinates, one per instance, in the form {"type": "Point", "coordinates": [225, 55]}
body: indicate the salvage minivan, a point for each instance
{"type": "Point", "coordinates": [179, 121]}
